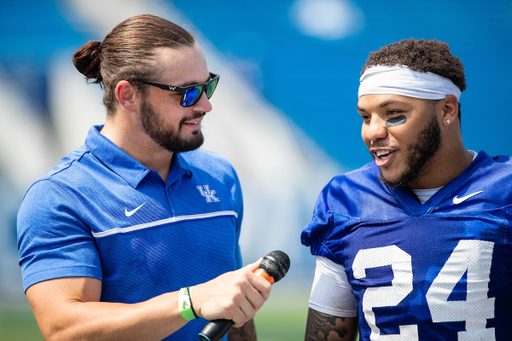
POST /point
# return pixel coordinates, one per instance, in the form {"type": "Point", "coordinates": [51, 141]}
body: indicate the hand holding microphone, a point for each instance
{"type": "Point", "coordinates": [273, 268]}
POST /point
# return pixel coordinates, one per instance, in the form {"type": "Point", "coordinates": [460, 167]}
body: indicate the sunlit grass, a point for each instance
{"type": "Point", "coordinates": [17, 323]}
{"type": "Point", "coordinates": [284, 315]}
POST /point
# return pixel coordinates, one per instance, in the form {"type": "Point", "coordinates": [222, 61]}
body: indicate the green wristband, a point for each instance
{"type": "Point", "coordinates": [185, 304]}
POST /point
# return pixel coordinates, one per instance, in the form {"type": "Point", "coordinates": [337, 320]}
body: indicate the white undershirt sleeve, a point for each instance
{"type": "Point", "coordinates": [331, 293]}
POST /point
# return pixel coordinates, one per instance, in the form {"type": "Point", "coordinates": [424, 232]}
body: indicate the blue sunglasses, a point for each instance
{"type": "Point", "coordinates": [190, 94]}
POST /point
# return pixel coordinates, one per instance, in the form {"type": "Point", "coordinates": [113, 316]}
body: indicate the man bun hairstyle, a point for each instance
{"type": "Point", "coordinates": [128, 52]}
{"type": "Point", "coordinates": [87, 60]}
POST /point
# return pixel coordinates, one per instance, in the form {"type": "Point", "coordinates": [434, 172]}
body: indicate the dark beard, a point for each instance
{"type": "Point", "coordinates": [168, 138]}
{"type": "Point", "coordinates": [422, 151]}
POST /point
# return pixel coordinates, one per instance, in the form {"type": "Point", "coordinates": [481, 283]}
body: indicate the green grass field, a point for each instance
{"type": "Point", "coordinates": [282, 318]}
{"type": "Point", "coordinates": [17, 323]}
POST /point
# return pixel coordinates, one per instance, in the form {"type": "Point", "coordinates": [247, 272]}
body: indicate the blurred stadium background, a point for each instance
{"type": "Point", "coordinates": [284, 113]}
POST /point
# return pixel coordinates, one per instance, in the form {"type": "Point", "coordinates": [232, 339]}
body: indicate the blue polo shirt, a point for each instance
{"type": "Point", "coordinates": [100, 213]}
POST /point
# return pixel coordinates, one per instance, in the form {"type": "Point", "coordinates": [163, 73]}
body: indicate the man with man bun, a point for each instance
{"type": "Point", "coordinates": [134, 236]}
{"type": "Point", "coordinates": [415, 245]}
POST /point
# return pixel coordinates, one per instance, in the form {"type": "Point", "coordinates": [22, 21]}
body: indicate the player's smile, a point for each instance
{"type": "Point", "coordinates": [382, 156]}
{"type": "Point", "coordinates": [395, 129]}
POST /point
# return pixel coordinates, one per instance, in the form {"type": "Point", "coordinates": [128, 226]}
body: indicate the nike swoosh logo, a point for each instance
{"type": "Point", "coordinates": [457, 200]}
{"type": "Point", "coordinates": [130, 213]}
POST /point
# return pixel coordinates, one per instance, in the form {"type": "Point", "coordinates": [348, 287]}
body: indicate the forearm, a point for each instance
{"type": "Point", "coordinates": [151, 320]}
{"type": "Point", "coordinates": [322, 326]}
{"type": "Point", "coordinates": [70, 308]}
{"type": "Point", "coordinates": [245, 333]}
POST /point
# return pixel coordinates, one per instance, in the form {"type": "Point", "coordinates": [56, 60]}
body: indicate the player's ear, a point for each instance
{"type": "Point", "coordinates": [126, 95]}
{"type": "Point", "coordinates": [450, 109]}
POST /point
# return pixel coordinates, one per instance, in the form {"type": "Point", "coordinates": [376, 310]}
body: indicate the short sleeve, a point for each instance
{"type": "Point", "coordinates": [327, 226]}
{"type": "Point", "coordinates": [318, 228]}
{"type": "Point", "coordinates": [53, 241]}
{"type": "Point", "coordinates": [316, 232]}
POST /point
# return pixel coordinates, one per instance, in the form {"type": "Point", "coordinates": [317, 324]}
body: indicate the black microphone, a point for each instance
{"type": "Point", "coordinates": [273, 268]}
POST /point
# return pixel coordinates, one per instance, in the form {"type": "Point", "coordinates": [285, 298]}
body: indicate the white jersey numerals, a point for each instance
{"type": "Point", "coordinates": [475, 257]}
{"type": "Point", "coordinates": [401, 286]}
{"type": "Point", "coordinates": [470, 257]}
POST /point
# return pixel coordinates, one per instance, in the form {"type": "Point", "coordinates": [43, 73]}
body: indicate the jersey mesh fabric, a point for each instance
{"type": "Point", "coordinates": [437, 271]}
{"type": "Point", "coordinates": [99, 213]}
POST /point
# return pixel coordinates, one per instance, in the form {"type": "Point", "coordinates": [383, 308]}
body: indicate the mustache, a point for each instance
{"type": "Point", "coordinates": [191, 117]}
{"type": "Point", "coordinates": [384, 145]}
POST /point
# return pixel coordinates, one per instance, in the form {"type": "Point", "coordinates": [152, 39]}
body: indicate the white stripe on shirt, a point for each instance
{"type": "Point", "coordinates": [162, 222]}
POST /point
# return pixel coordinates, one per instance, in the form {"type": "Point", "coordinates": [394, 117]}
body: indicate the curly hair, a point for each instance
{"type": "Point", "coordinates": [423, 56]}
{"type": "Point", "coordinates": [127, 52]}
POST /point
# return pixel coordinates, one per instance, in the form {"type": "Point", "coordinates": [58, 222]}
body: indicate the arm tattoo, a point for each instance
{"type": "Point", "coordinates": [247, 332]}
{"type": "Point", "coordinates": [324, 327]}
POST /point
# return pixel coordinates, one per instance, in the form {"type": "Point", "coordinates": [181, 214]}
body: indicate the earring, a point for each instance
{"type": "Point", "coordinates": [448, 121]}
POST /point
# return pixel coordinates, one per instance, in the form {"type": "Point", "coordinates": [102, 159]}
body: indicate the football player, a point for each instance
{"type": "Point", "coordinates": [415, 245]}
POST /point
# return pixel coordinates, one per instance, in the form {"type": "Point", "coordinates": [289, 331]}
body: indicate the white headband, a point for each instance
{"type": "Point", "coordinates": [400, 80]}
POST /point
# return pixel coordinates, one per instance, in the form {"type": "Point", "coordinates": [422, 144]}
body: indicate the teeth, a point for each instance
{"type": "Point", "coordinates": [382, 153]}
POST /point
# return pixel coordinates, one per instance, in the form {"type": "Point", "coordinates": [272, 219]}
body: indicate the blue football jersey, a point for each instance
{"type": "Point", "coordinates": [437, 271]}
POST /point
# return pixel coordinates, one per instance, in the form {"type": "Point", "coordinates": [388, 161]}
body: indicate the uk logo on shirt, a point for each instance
{"type": "Point", "coordinates": [208, 193]}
